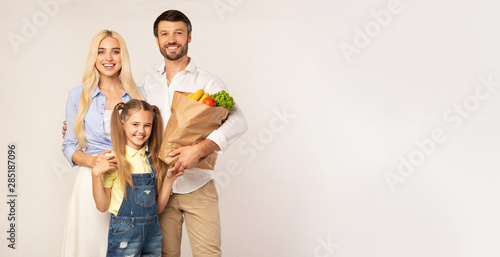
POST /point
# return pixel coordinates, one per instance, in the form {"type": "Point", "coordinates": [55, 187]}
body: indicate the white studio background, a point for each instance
{"type": "Point", "coordinates": [373, 125]}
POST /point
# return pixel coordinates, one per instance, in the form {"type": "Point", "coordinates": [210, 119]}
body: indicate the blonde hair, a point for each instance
{"type": "Point", "coordinates": [119, 140]}
{"type": "Point", "coordinates": [91, 79]}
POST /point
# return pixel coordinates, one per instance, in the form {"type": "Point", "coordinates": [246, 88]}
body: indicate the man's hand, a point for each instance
{"type": "Point", "coordinates": [64, 129]}
{"type": "Point", "coordinates": [188, 158]}
{"type": "Point", "coordinates": [190, 155]}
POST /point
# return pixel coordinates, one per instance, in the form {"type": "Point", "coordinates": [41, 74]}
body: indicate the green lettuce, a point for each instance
{"type": "Point", "coordinates": [223, 99]}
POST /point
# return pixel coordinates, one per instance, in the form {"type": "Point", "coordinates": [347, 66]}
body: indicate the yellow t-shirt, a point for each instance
{"type": "Point", "coordinates": [139, 162]}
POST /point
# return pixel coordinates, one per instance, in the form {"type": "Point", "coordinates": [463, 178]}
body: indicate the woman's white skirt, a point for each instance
{"type": "Point", "coordinates": [86, 232]}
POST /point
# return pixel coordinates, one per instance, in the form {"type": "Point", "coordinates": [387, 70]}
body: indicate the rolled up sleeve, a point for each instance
{"type": "Point", "coordinates": [233, 127]}
{"type": "Point", "coordinates": [69, 143]}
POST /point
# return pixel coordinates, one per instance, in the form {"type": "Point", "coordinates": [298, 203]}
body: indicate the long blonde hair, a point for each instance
{"type": "Point", "coordinates": [91, 78]}
{"type": "Point", "coordinates": [119, 140]}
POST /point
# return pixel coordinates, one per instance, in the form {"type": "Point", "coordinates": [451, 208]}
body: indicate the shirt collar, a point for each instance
{"type": "Point", "coordinates": [132, 152]}
{"type": "Point", "coordinates": [191, 67]}
{"type": "Point", "coordinates": [98, 91]}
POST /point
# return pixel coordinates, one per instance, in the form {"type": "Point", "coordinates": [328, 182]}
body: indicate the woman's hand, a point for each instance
{"type": "Point", "coordinates": [104, 162]}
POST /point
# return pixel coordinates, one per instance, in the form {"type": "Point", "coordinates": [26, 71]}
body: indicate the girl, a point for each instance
{"type": "Point", "coordinates": [128, 188]}
{"type": "Point", "coordinates": [107, 80]}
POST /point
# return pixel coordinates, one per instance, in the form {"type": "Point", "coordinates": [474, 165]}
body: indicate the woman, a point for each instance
{"type": "Point", "coordinates": [107, 81]}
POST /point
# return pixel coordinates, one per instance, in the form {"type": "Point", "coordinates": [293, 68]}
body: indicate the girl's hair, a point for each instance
{"type": "Point", "coordinates": [121, 113]}
{"type": "Point", "coordinates": [91, 78]}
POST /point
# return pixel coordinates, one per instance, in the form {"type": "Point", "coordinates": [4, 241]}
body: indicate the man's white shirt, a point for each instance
{"type": "Point", "coordinates": [190, 80]}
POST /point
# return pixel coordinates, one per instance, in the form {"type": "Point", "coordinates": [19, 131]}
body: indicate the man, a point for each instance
{"type": "Point", "coordinates": [194, 197]}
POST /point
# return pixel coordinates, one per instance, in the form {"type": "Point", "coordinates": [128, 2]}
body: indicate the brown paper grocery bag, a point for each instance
{"type": "Point", "coordinates": [190, 123]}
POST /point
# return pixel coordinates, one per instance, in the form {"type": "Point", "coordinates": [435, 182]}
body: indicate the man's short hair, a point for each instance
{"type": "Point", "coordinates": [171, 15]}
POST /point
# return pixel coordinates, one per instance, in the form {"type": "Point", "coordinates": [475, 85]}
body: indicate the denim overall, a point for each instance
{"type": "Point", "coordinates": [135, 230]}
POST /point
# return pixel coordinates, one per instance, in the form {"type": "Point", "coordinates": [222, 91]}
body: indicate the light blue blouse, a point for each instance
{"type": "Point", "coordinates": [94, 123]}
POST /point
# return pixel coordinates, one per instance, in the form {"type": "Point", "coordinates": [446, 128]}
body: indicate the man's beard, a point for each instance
{"type": "Point", "coordinates": [173, 56]}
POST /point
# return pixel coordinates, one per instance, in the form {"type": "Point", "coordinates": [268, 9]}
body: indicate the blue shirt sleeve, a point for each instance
{"type": "Point", "coordinates": [69, 143]}
{"type": "Point", "coordinates": [94, 130]}
{"type": "Point", "coordinates": [143, 92]}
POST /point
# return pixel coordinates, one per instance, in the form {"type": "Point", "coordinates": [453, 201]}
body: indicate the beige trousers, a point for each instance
{"type": "Point", "coordinates": [200, 209]}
